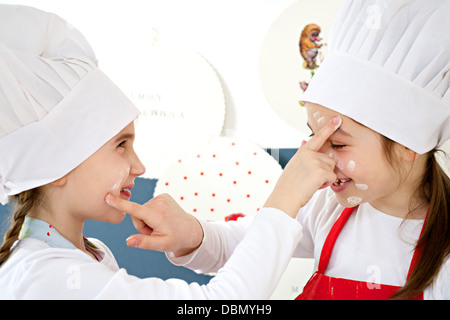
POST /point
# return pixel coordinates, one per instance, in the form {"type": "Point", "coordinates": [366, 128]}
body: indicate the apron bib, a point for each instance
{"type": "Point", "coordinates": [322, 287]}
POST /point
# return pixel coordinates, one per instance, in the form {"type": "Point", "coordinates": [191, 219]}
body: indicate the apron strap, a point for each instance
{"type": "Point", "coordinates": [334, 233]}
{"type": "Point", "coordinates": [331, 239]}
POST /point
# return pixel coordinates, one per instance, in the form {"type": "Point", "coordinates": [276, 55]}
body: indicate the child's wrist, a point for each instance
{"type": "Point", "coordinates": [285, 204]}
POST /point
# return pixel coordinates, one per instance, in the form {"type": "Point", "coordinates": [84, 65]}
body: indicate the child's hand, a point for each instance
{"type": "Point", "coordinates": [307, 172]}
{"type": "Point", "coordinates": [163, 224]}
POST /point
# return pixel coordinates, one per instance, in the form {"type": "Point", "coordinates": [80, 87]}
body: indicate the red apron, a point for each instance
{"type": "Point", "coordinates": [322, 287]}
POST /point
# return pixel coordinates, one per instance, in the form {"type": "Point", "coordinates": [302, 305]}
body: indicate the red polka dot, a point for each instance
{"type": "Point", "coordinates": [202, 173]}
{"type": "Point", "coordinates": [198, 156]}
{"type": "Point", "coordinates": [179, 161]}
{"type": "Point", "coordinates": [196, 194]}
{"type": "Point", "coordinates": [248, 196]}
{"type": "Point", "coordinates": [267, 181]}
{"type": "Point", "coordinates": [221, 174]}
{"type": "Point", "coordinates": [212, 209]}
{"type": "Point", "coordinates": [48, 234]}
{"type": "Point", "coordinates": [249, 172]}
{"type": "Point", "coordinates": [213, 194]}
{"type": "Point", "coordinates": [167, 183]}
{"type": "Point", "coordinates": [214, 155]}
{"type": "Point", "coordinates": [185, 178]}
{"type": "Point", "coordinates": [195, 210]}
{"type": "Point", "coordinates": [181, 198]}
{"type": "Point", "coordinates": [255, 153]}
{"type": "Point", "coordinates": [228, 200]}
{"type": "Point", "coordinates": [237, 163]}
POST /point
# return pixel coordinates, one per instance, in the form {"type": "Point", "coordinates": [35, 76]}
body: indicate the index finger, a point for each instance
{"type": "Point", "coordinates": [132, 208]}
{"type": "Point", "coordinates": [316, 142]}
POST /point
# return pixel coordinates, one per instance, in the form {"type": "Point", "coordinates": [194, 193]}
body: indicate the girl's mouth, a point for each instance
{"type": "Point", "coordinates": [126, 191]}
{"type": "Point", "coordinates": [341, 182]}
{"type": "Point", "coordinates": [340, 185]}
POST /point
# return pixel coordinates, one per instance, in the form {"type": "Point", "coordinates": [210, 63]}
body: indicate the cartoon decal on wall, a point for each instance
{"type": "Point", "coordinates": [293, 49]}
{"type": "Point", "coordinates": [309, 47]}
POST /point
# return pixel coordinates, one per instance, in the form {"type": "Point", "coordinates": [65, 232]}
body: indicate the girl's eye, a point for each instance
{"type": "Point", "coordinates": [122, 144]}
{"type": "Point", "coordinates": [334, 146]}
{"type": "Point", "coordinates": [337, 146]}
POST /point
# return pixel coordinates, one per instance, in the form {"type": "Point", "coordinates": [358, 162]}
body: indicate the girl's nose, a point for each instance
{"type": "Point", "coordinates": [137, 168]}
{"type": "Point", "coordinates": [325, 148]}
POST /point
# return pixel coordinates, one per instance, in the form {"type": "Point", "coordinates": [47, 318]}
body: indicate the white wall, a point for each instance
{"type": "Point", "coordinates": [228, 34]}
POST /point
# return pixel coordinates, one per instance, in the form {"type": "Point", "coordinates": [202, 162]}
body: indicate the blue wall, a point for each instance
{"type": "Point", "coordinates": [138, 262]}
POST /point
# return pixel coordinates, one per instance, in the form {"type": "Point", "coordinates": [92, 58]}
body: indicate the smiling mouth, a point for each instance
{"type": "Point", "coordinates": [341, 182]}
{"type": "Point", "coordinates": [126, 191]}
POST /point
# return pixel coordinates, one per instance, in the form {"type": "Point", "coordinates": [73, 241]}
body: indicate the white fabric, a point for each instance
{"type": "Point", "coordinates": [56, 107]}
{"type": "Point", "coordinates": [372, 247]}
{"type": "Point", "coordinates": [37, 271]}
{"type": "Point", "coordinates": [388, 67]}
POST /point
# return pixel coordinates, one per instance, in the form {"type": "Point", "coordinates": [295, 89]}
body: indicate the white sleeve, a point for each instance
{"type": "Point", "coordinates": [219, 241]}
{"type": "Point", "coordinates": [252, 271]}
{"type": "Point", "coordinates": [220, 238]}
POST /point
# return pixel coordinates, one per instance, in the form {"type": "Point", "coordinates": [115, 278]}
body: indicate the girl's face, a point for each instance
{"type": "Point", "coordinates": [363, 173]}
{"type": "Point", "coordinates": [112, 169]}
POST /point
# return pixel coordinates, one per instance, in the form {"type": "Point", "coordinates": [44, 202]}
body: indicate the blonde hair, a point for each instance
{"type": "Point", "coordinates": [22, 204]}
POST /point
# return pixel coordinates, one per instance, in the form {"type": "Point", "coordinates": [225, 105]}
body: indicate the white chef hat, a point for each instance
{"type": "Point", "coordinates": [388, 68]}
{"type": "Point", "coordinates": [56, 107]}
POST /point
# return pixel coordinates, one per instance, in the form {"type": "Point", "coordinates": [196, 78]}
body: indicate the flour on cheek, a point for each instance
{"type": "Point", "coordinates": [351, 165]}
{"type": "Point", "coordinates": [361, 186]}
{"type": "Point", "coordinates": [354, 200]}
{"type": "Point", "coordinates": [120, 180]}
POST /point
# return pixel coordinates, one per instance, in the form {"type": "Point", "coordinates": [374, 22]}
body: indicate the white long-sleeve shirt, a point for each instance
{"type": "Point", "coordinates": [373, 246]}
{"type": "Point", "coordinates": [36, 270]}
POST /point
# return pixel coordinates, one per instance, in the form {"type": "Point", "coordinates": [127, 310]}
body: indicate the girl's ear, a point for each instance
{"type": "Point", "coordinates": [409, 155]}
{"type": "Point", "coordinates": [60, 182]}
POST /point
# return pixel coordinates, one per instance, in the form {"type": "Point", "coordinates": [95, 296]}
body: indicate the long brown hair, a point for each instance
{"type": "Point", "coordinates": [22, 204]}
{"type": "Point", "coordinates": [435, 240]}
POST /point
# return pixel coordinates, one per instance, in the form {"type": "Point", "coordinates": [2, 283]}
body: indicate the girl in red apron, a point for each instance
{"type": "Point", "coordinates": [323, 287]}
{"type": "Point", "coordinates": [387, 75]}
{"type": "Point", "coordinates": [381, 75]}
